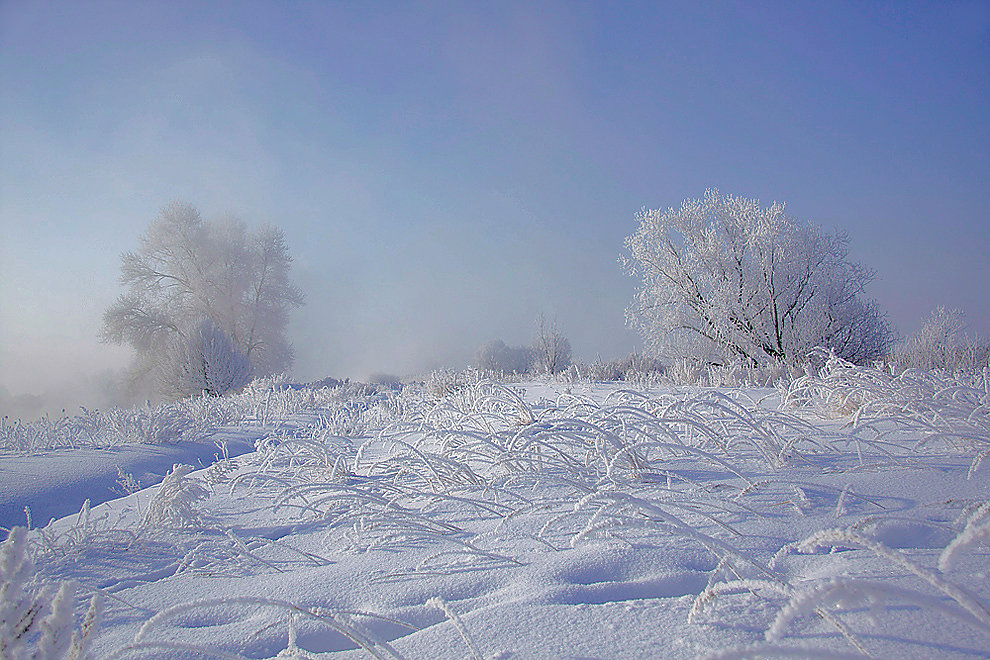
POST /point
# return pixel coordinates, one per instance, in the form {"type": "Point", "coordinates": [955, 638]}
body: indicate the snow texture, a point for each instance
{"type": "Point", "coordinates": [827, 518]}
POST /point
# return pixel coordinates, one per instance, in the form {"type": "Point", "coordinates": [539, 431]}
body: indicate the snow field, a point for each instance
{"type": "Point", "coordinates": [842, 515]}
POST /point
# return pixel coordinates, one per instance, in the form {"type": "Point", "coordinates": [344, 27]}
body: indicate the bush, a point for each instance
{"type": "Point", "coordinates": [942, 344]}
{"type": "Point", "coordinates": [495, 356]}
{"type": "Point", "coordinates": [174, 503]}
{"type": "Point", "coordinates": [627, 368]}
{"type": "Point", "coordinates": [206, 362]}
{"type": "Point", "coordinates": [445, 382]}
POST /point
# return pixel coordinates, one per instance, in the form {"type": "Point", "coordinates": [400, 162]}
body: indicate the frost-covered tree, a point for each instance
{"type": "Point", "coordinates": [552, 350]}
{"type": "Point", "coordinates": [497, 356]}
{"type": "Point", "coordinates": [942, 343]}
{"type": "Point", "coordinates": [724, 278]}
{"type": "Point", "coordinates": [186, 270]}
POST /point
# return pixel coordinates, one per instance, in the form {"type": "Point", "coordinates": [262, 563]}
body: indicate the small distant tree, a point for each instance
{"type": "Point", "coordinates": [495, 355]}
{"type": "Point", "coordinates": [942, 343]}
{"type": "Point", "coordinates": [551, 348]}
{"type": "Point", "coordinates": [187, 270]}
{"type": "Point", "coordinates": [724, 278]}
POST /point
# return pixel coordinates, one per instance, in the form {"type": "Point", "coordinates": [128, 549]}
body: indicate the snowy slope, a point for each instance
{"type": "Point", "coordinates": [551, 520]}
{"type": "Point", "coordinates": [55, 483]}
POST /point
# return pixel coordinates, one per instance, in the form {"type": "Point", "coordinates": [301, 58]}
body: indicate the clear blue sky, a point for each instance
{"type": "Point", "coordinates": [445, 172]}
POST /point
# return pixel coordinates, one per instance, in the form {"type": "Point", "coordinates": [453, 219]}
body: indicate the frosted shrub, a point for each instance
{"type": "Point", "coordinates": [39, 622]}
{"type": "Point", "coordinates": [444, 382]}
{"type": "Point", "coordinates": [271, 400]}
{"type": "Point", "coordinates": [55, 541]}
{"type": "Point", "coordinates": [742, 374]}
{"type": "Point", "coordinates": [942, 344]}
{"type": "Point", "coordinates": [686, 372]}
{"type": "Point", "coordinates": [152, 425]}
{"type": "Point", "coordinates": [640, 364]}
{"type": "Point", "coordinates": [267, 384]}
{"type": "Point", "coordinates": [206, 362]}
{"type": "Point", "coordinates": [602, 370]}
{"type": "Point", "coordinates": [633, 367]}
{"type": "Point", "coordinates": [40, 435]}
{"type": "Point", "coordinates": [495, 356]}
{"type": "Point", "coordinates": [211, 411]}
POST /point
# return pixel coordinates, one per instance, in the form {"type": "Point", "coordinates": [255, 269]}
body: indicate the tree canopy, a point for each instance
{"type": "Point", "coordinates": [726, 278]}
{"type": "Point", "coordinates": [187, 271]}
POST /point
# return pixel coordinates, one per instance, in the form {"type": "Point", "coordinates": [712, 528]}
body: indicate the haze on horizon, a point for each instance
{"type": "Point", "coordinates": [447, 172]}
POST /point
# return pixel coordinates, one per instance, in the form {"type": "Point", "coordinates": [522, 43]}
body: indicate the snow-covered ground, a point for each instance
{"type": "Point", "coordinates": [553, 520]}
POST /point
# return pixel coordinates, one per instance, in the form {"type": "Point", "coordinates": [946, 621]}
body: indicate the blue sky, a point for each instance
{"type": "Point", "coordinates": [445, 172]}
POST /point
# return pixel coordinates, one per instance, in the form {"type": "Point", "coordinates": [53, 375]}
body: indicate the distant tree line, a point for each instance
{"type": "Point", "coordinates": [550, 353]}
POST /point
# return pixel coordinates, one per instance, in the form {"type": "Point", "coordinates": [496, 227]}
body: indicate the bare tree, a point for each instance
{"type": "Point", "coordinates": [187, 270]}
{"type": "Point", "coordinates": [552, 349]}
{"type": "Point", "coordinates": [725, 278]}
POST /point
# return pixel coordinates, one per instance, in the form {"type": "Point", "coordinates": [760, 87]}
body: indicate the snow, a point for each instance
{"type": "Point", "coordinates": [55, 483]}
{"type": "Point", "coordinates": [538, 520]}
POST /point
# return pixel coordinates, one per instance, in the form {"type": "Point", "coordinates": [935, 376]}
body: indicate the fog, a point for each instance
{"type": "Point", "coordinates": [431, 301]}
{"type": "Point", "coordinates": [446, 174]}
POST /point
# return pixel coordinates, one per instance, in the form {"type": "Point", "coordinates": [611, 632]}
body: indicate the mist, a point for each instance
{"type": "Point", "coordinates": [452, 290]}
{"type": "Point", "coordinates": [446, 175]}
{"type": "Point", "coordinates": [66, 396]}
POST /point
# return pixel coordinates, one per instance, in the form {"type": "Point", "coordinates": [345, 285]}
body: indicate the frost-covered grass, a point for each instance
{"type": "Point", "coordinates": [841, 514]}
{"type": "Point", "coordinates": [263, 402]}
{"type": "Point", "coordinates": [172, 422]}
{"type": "Point", "coordinates": [933, 408]}
{"type": "Point", "coordinates": [39, 622]}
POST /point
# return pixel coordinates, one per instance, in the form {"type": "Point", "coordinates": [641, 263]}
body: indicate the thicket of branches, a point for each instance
{"type": "Point", "coordinates": [942, 344]}
{"type": "Point", "coordinates": [206, 362]}
{"type": "Point", "coordinates": [187, 271]}
{"type": "Point", "coordinates": [725, 278]}
{"type": "Point", "coordinates": [551, 348]}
